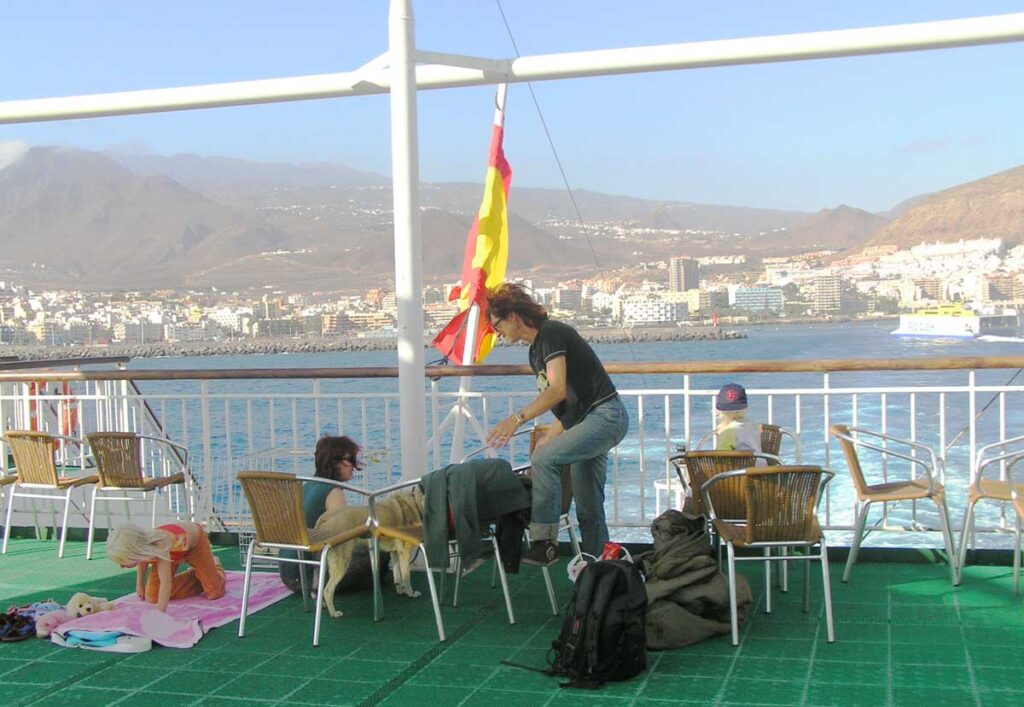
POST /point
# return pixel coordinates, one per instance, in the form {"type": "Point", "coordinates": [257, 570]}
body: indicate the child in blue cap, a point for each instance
{"type": "Point", "coordinates": [733, 432]}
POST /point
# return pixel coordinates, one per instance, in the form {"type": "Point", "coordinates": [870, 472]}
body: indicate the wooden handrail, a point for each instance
{"type": "Point", "coordinates": [918, 363]}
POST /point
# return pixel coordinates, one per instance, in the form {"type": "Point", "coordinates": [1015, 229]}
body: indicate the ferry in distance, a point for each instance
{"type": "Point", "coordinates": [952, 321]}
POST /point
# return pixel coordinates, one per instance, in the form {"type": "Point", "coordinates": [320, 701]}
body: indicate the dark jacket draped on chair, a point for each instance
{"type": "Point", "coordinates": [476, 490]}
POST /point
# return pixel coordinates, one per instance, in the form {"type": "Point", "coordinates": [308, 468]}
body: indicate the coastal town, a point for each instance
{"type": "Point", "coordinates": [682, 293]}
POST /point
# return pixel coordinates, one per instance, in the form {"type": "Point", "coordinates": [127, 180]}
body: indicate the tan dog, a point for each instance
{"type": "Point", "coordinates": [402, 509]}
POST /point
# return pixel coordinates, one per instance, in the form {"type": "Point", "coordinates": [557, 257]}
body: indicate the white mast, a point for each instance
{"type": "Point", "coordinates": [405, 178]}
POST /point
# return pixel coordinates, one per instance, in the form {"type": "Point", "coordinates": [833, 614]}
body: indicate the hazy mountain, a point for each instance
{"type": "Point", "coordinates": [832, 229]}
{"type": "Point", "coordinates": [903, 207]}
{"type": "Point", "coordinates": [992, 207]}
{"type": "Point", "coordinates": [74, 218]}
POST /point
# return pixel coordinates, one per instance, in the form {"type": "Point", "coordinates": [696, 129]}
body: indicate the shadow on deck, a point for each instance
{"type": "Point", "coordinates": [903, 637]}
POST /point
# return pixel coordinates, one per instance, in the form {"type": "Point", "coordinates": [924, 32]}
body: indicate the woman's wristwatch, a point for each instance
{"type": "Point", "coordinates": [520, 418]}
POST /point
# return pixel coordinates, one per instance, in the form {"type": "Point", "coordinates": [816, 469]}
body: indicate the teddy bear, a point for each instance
{"type": "Point", "coordinates": [81, 604]}
{"type": "Point", "coordinates": [46, 623]}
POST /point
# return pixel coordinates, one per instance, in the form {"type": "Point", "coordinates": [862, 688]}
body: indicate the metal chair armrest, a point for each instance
{"type": "Point", "coordinates": [492, 450]}
{"type": "Point", "coordinates": [372, 496]}
{"type": "Point", "coordinates": [892, 438]}
{"type": "Point", "coordinates": [678, 461]}
{"type": "Point", "coordinates": [979, 457]}
{"type": "Point", "coordinates": [181, 448]}
{"type": "Point", "coordinates": [929, 467]}
{"type": "Point", "coordinates": [1013, 458]}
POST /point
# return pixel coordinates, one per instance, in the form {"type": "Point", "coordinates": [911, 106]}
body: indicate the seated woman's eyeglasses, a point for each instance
{"type": "Point", "coordinates": [348, 460]}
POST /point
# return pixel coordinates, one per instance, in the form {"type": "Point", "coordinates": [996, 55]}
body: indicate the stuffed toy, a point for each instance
{"type": "Point", "coordinates": [81, 604]}
{"type": "Point", "coordinates": [46, 623]}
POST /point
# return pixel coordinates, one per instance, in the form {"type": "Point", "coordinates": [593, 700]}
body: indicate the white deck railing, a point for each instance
{"type": "Point", "coordinates": [230, 424]}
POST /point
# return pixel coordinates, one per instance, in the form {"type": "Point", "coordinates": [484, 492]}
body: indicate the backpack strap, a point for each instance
{"type": "Point", "coordinates": [571, 640]}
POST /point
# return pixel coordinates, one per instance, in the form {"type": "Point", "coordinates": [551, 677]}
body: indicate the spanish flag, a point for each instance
{"type": "Point", "coordinates": [485, 260]}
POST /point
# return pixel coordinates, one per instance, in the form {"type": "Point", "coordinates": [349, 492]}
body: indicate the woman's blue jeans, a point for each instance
{"type": "Point", "coordinates": [584, 447]}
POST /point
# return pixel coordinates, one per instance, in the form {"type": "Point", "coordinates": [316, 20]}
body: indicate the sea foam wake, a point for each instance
{"type": "Point", "coordinates": [991, 338]}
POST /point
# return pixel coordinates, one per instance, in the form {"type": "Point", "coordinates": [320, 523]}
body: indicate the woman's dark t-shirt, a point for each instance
{"type": "Point", "coordinates": [587, 383]}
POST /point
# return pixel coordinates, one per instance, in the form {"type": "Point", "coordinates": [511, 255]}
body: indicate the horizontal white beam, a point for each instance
{"type": "Point", "coordinates": [666, 57]}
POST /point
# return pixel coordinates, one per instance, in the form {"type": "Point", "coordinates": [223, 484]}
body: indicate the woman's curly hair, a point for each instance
{"type": "Point", "coordinates": [330, 449]}
{"type": "Point", "coordinates": [508, 298]}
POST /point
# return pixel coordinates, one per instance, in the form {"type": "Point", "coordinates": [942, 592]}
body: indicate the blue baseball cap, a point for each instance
{"type": "Point", "coordinates": [731, 396]}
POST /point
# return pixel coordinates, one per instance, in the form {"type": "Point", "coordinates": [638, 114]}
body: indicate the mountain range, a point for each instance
{"type": "Point", "coordinates": [86, 220]}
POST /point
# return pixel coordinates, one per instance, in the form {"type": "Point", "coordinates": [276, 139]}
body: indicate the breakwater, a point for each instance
{"type": "Point", "coordinates": [236, 347]}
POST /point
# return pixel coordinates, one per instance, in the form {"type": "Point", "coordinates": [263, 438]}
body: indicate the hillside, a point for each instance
{"type": "Point", "coordinates": [831, 229]}
{"type": "Point", "coordinates": [992, 207]}
{"type": "Point", "coordinates": [80, 219]}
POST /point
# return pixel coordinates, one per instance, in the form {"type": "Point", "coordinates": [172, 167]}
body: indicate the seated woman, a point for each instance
{"type": "Point", "coordinates": [161, 550]}
{"type": "Point", "coordinates": [335, 458]}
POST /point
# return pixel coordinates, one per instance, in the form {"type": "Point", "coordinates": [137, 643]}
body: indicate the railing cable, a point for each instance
{"type": "Point", "coordinates": [981, 412]}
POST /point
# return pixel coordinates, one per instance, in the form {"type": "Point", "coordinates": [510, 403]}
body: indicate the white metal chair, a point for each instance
{"type": "Point", "coordinates": [781, 504]}
{"type": "Point", "coordinates": [925, 485]}
{"type": "Point", "coordinates": [38, 477]}
{"type": "Point", "coordinates": [1002, 457]}
{"type": "Point", "coordinates": [275, 500]}
{"type": "Point", "coordinates": [125, 476]}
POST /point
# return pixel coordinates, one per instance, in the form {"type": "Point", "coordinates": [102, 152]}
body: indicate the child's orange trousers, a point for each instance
{"type": "Point", "coordinates": [204, 576]}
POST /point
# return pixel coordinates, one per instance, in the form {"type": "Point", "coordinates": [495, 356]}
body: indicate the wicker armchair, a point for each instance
{"type": "Point", "coordinates": [926, 485]}
{"type": "Point", "coordinates": [780, 512]}
{"type": "Point", "coordinates": [275, 500]}
{"type": "Point", "coordinates": [37, 475]}
{"type": "Point", "coordinates": [694, 469]}
{"type": "Point", "coordinates": [1004, 489]}
{"type": "Point", "coordinates": [772, 437]}
{"type": "Point", "coordinates": [123, 477]}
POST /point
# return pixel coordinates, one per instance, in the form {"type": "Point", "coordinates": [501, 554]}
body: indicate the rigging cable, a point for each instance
{"type": "Point", "coordinates": [979, 414]}
{"type": "Point", "coordinates": [565, 181]}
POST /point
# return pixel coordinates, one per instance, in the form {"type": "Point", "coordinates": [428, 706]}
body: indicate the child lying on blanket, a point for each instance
{"type": "Point", "coordinates": [162, 550]}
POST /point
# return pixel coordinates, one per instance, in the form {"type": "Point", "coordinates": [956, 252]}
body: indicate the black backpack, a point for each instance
{"type": "Point", "coordinates": [603, 638]}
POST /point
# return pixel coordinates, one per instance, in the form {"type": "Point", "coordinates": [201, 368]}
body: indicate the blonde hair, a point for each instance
{"type": "Point", "coordinates": [727, 417]}
{"type": "Point", "coordinates": [128, 544]}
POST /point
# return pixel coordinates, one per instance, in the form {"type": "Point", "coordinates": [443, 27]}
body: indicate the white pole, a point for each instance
{"type": "Point", "coordinates": [408, 246]}
{"type": "Point", "coordinates": [473, 322]}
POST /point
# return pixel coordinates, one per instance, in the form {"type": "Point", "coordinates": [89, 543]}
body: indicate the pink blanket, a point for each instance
{"type": "Point", "coordinates": [186, 620]}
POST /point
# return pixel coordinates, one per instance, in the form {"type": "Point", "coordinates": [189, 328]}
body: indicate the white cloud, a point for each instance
{"type": "Point", "coordinates": [11, 151]}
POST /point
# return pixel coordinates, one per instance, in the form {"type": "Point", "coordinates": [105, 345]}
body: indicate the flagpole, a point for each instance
{"type": "Point", "coordinates": [472, 325]}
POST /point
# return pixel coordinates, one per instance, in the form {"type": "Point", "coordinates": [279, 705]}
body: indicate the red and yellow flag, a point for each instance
{"type": "Point", "coordinates": [485, 261]}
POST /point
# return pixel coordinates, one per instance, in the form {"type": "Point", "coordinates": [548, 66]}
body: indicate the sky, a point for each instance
{"type": "Point", "coordinates": [868, 132]}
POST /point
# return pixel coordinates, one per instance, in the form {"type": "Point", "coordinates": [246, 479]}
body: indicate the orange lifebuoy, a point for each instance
{"type": "Point", "coordinates": [68, 411]}
{"type": "Point", "coordinates": [35, 389]}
